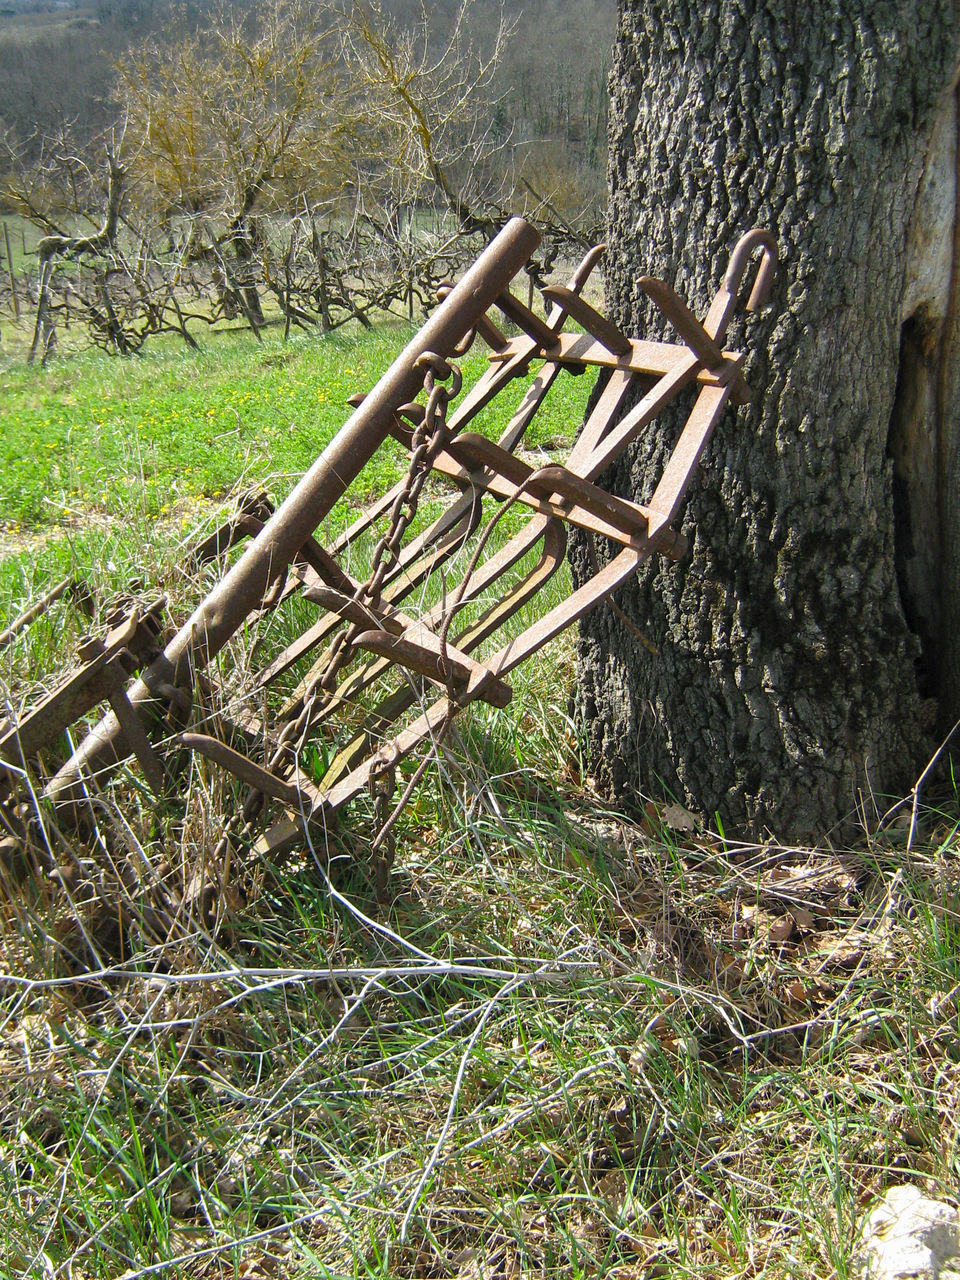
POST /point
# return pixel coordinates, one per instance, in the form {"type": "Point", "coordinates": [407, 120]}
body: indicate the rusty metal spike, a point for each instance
{"type": "Point", "coordinates": [591, 319]}
{"type": "Point", "coordinates": [527, 320]}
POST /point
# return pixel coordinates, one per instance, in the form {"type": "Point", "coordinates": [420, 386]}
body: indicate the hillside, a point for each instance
{"type": "Point", "coordinates": [57, 65]}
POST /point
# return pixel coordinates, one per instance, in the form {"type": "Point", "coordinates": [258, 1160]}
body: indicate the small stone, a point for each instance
{"type": "Point", "coordinates": [908, 1236]}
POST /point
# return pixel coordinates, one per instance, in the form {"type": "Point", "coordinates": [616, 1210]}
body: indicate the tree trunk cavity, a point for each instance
{"type": "Point", "coordinates": [807, 645]}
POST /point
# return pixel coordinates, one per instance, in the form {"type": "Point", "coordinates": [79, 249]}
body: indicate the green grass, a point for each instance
{"type": "Point", "coordinates": [569, 1045]}
{"type": "Point", "coordinates": [171, 428]}
{"type": "Point", "coordinates": [108, 466]}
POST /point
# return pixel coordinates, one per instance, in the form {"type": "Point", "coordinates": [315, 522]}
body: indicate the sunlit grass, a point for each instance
{"type": "Point", "coordinates": [161, 431]}
{"type": "Point", "coordinates": [156, 433]}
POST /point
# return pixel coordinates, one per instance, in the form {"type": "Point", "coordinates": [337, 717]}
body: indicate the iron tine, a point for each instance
{"type": "Point", "coordinates": [68, 586]}
{"type": "Point", "coordinates": [585, 267]}
{"type": "Point", "coordinates": [248, 771]}
{"type": "Point", "coordinates": [527, 320]}
{"type": "Point", "coordinates": [694, 335]}
{"type": "Point", "coordinates": [136, 735]}
{"type": "Point", "coordinates": [413, 411]}
{"type": "Point", "coordinates": [684, 321]}
{"type": "Point", "coordinates": [491, 335]}
{"type": "Point", "coordinates": [591, 319]}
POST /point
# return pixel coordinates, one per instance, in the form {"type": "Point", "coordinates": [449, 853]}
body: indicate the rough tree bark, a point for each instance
{"type": "Point", "coordinates": [808, 645]}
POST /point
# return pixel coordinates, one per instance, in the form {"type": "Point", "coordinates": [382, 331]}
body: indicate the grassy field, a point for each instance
{"type": "Point", "coordinates": [172, 427]}
{"type": "Point", "coordinates": [570, 1045]}
{"type": "Point", "coordinates": [98, 454]}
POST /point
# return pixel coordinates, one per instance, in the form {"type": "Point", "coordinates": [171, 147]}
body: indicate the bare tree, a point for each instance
{"type": "Point", "coordinates": [436, 109]}
{"type": "Point", "coordinates": [239, 122]}
{"type": "Point", "coordinates": [320, 156]}
{"type": "Point", "coordinates": [111, 279]}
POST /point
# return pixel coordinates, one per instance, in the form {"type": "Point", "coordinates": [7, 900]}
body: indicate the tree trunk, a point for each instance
{"type": "Point", "coordinates": [245, 252]}
{"type": "Point", "coordinates": [808, 642]}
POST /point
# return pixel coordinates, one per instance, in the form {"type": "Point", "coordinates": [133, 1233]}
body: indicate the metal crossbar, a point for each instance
{"type": "Point", "coordinates": [365, 633]}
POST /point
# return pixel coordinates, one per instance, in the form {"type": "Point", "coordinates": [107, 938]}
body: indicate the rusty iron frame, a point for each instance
{"type": "Point", "coordinates": [362, 632]}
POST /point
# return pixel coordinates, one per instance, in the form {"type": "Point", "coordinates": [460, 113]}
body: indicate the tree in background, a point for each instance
{"type": "Point", "coordinates": [809, 645]}
{"type": "Point", "coordinates": [242, 119]}
{"type": "Point", "coordinates": [545, 87]}
{"type": "Point", "coordinates": [434, 104]}
{"type": "Point", "coordinates": [322, 154]}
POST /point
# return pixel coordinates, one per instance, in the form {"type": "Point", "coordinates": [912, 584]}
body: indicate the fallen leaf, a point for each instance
{"type": "Point", "coordinates": [677, 818]}
{"type": "Point", "coordinates": [781, 930]}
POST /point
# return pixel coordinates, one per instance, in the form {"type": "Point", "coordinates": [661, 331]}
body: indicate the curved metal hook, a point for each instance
{"type": "Point", "coordinates": [726, 300]}
{"type": "Point", "coordinates": [739, 259]}
{"type": "Point", "coordinates": [586, 266]}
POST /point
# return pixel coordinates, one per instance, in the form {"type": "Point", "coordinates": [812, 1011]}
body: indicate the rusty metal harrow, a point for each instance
{"type": "Point", "coordinates": [413, 667]}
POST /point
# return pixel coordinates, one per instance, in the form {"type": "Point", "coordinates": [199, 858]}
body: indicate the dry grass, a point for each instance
{"type": "Point", "coordinates": [571, 1045]}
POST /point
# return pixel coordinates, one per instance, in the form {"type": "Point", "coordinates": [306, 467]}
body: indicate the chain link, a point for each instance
{"type": "Point", "coordinates": [429, 438]}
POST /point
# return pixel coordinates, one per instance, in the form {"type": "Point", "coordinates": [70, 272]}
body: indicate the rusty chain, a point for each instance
{"type": "Point", "coordinates": [429, 438]}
